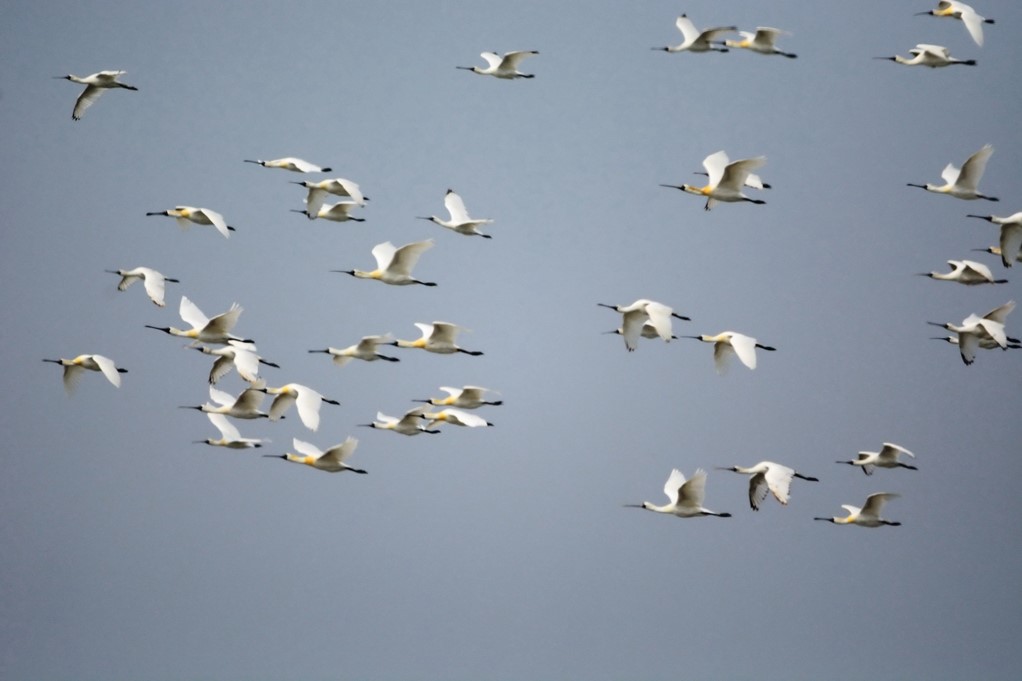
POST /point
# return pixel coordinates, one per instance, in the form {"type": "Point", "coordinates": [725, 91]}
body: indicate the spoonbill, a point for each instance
{"type": "Point", "coordinates": [505, 67]}
{"type": "Point", "coordinates": [974, 329]}
{"type": "Point", "coordinates": [769, 477]}
{"type": "Point", "coordinates": [648, 331]}
{"type": "Point", "coordinates": [468, 397]}
{"type": "Point", "coordinates": [761, 41]}
{"type": "Point", "coordinates": [229, 435]}
{"type": "Point", "coordinates": [437, 337]}
{"type": "Point", "coordinates": [75, 367]}
{"type": "Point", "coordinates": [244, 406]}
{"type": "Point", "coordinates": [728, 343]}
{"type": "Point", "coordinates": [726, 179]}
{"type": "Point", "coordinates": [968, 272]}
{"type": "Point", "coordinates": [188, 215]}
{"type": "Point", "coordinates": [961, 184]}
{"type": "Point", "coordinates": [868, 515]}
{"type": "Point", "coordinates": [153, 281]}
{"type": "Point", "coordinates": [459, 220]}
{"type": "Point", "coordinates": [238, 354]}
{"type": "Point", "coordinates": [337, 212]}
{"type": "Point", "coordinates": [205, 330]}
{"type": "Point", "coordinates": [295, 165]}
{"type": "Point", "coordinates": [641, 312]}
{"type": "Point", "coordinates": [365, 350]}
{"type": "Point", "coordinates": [933, 56]}
{"type": "Point", "coordinates": [409, 424]}
{"type": "Point", "coordinates": [455, 417]}
{"type": "Point", "coordinates": [1010, 248]}
{"type": "Point", "coordinates": [885, 458]}
{"type": "Point", "coordinates": [332, 460]}
{"type": "Point", "coordinates": [695, 40]}
{"type": "Point", "coordinates": [685, 497]}
{"type": "Point", "coordinates": [307, 400]}
{"type": "Point", "coordinates": [94, 87]}
{"type": "Point", "coordinates": [966, 14]}
{"type": "Point", "coordinates": [394, 265]}
{"type": "Point", "coordinates": [337, 186]}
{"type": "Point", "coordinates": [984, 343]}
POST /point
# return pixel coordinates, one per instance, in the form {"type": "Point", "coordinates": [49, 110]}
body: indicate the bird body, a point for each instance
{"type": "Point", "coordinates": [337, 212]}
{"type": "Point", "coordinates": [762, 41]}
{"type": "Point", "coordinates": [726, 179]}
{"type": "Point", "coordinates": [394, 265]}
{"type": "Point", "coordinates": [769, 477]}
{"type": "Point", "coordinates": [295, 165]}
{"type": "Point", "coordinates": [205, 330]}
{"type": "Point", "coordinates": [640, 313]}
{"type": "Point", "coordinates": [962, 183]}
{"type": "Point", "coordinates": [75, 367]}
{"type": "Point", "coordinates": [438, 337]}
{"type": "Point", "coordinates": [868, 515]}
{"type": "Point", "coordinates": [307, 400]}
{"type": "Point", "coordinates": [967, 15]}
{"type": "Point", "coordinates": [409, 424]}
{"type": "Point", "coordinates": [694, 40]}
{"type": "Point", "coordinates": [968, 272]}
{"type": "Point", "coordinates": [1010, 248]}
{"type": "Point", "coordinates": [728, 343]}
{"type": "Point", "coordinates": [365, 350]}
{"type": "Point", "coordinates": [685, 497]}
{"type": "Point", "coordinates": [94, 87]}
{"type": "Point", "coordinates": [238, 354]}
{"type": "Point", "coordinates": [504, 66]}
{"type": "Point", "coordinates": [468, 397]}
{"type": "Point", "coordinates": [153, 281]}
{"type": "Point", "coordinates": [229, 435]}
{"type": "Point", "coordinates": [459, 221]}
{"type": "Point", "coordinates": [188, 215]}
{"type": "Point", "coordinates": [455, 417]}
{"type": "Point", "coordinates": [887, 457]}
{"type": "Point", "coordinates": [332, 460]}
{"type": "Point", "coordinates": [933, 56]}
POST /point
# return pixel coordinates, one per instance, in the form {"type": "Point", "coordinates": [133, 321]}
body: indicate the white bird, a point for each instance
{"type": "Point", "coordinates": [685, 497]}
{"type": "Point", "coordinates": [332, 460]}
{"type": "Point", "coordinates": [238, 354]}
{"type": "Point", "coordinates": [641, 312]}
{"type": "Point", "coordinates": [984, 343]}
{"type": "Point", "coordinates": [1010, 248]}
{"type": "Point", "coordinates": [337, 186]}
{"type": "Point", "coordinates": [229, 435]}
{"type": "Point", "coordinates": [459, 222]}
{"type": "Point", "coordinates": [205, 330]}
{"type": "Point", "coordinates": [188, 215]}
{"type": "Point", "coordinates": [726, 179]}
{"type": "Point", "coordinates": [394, 265]}
{"type": "Point", "coordinates": [868, 515]}
{"type": "Point", "coordinates": [365, 350]}
{"type": "Point", "coordinates": [153, 281]}
{"type": "Point", "coordinates": [769, 477]}
{"type": "Point", "coordinates": [455, 417]}
{"type": "Point", "coordinates": [728, 343]}
{"type": "Point", "coordinates": [761, 41]}
{"type": "Point", "coordinates": [468, 397]}
{"type": "Point", "coordinates": [968, 272]}
{"type": "Point", "coordinates": [437, 337]}
{"type": "Point", "coordinates": [505, 67]}
{"type": "Point", "coordinates": [307, 400]}
{"type": "Point", "coordinates": [975, 329]}
{"type": "Point", "coordinates": [409, 424]}
{"type": "Point", "coordinates": [696, 40]}
{"type": "Point", "coordinates": [295, 165]}
{"type": "Point", "coordinates": [648, 331]}
{"type": "Point", "coordinates": [961, 184]}
{"type": "Point", "coordinates": [338, 212]}
{"type": "Point", "coordinates": [968, 16]}
{"type": "Point", "coordinates": [933, 56]}
{"type": "Point", "coordinates": [244, 406]}
{"type": "Point", "coordinates": [94, 87]}
{"type": "Point", "coordinates": [885, 458]}
{"type": "Point", "coordinates": [75, 367]}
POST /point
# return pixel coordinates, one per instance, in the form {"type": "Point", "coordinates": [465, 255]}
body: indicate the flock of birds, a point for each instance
{"type": "Point", "coordinates": [726, 183]}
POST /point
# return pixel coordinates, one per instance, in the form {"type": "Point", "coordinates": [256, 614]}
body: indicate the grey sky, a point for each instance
{"type": "Point", "coordinates": [505, 553]}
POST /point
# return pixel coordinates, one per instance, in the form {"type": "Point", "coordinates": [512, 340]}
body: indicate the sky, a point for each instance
{"type": "Point", "coordinates": [506, 552]}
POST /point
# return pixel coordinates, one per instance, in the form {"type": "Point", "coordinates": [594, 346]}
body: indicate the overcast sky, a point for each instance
{"type": "Point", "coordinates": [505, 552]}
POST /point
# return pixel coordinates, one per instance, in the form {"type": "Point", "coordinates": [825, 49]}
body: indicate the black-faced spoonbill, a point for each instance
{"type": "Point", "coordinates": [685, 497]}
{"type": "Point", "coordinates": [94, 87]}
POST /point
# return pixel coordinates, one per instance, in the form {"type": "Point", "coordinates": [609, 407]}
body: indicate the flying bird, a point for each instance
{"type": "Point", "coordinates": [1010, 248]}
{"type": "Point", "coordinates": [237, 354]}
{"type": "Point", "coordinates": [459, 220]}
{"type": "Point", "coordinates": [504, 67]}
{"type": "Point", "coordinates": [695, 40]}
{"type": "Point", "coordinates": [409, 424]}
{"type": "Point", "coordinates": [153, 281]}
{"type": "Point", "coordinates": [761, 41]}
{"type": "Point", "coordinates": [216, 331]}
{"type": "Point", "coordinates": [394, 265]}
{"type": "Point", "coordinates": [307, 400]}
{"type": "Point", "coordinates": [337, 212]}
{"type": "Point", "coordinates": [332, 460]}
{"type": "Point", "coordinates": [726, 179]}
{"type": "Point", "coordinates": [437, 337]}
{"type": "Point", "coordinates": [728, 343]}
{"type": "Point", "coordinates": [229, 435]}
{"type": "Point", "coordinates": [75, 367]}
{"type": "Point", "coordinates": [961, 184]}
{"type": "Point", "coordinates": [685, 497]}
{"type": "Point", "coordinates": [868, 515]}
{"type": "Point", "coordinates": [642, 312]}
{"type": "Point", "coordinates": [455, 417]}
{"type": "Point", "coordinates": [975, 329]}
{"type": "Point", "coordinates": [469, 397]}
{"type": "Point", "coordinates": [933, 56]}
{"type": "Point", "coordinates": [769, 478]}
{"type": "Point", "coordinates": [885, 458]}
{"type": "Point", "coordinates": [295, 165]}
{"type": "Point", "coordinates": [966, 14]}
{"type": "Point", "coordinates": [94, 87]}
{"type": "Point", "coordinates": [365, 350]}
{"type": "Point", "coordinates": [968, 272]}
{"type": "Point", "coordinates": [244, 406]}
{"type": "Point", "coordinates": [337, 186]}
{"type": "Point", "coordinates": [188, 215]}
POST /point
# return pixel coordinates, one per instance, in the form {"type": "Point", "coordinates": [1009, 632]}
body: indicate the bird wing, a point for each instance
{"type": "Point", "coordinates": [673, 485]}
{"type": "Point", "coordinates": [660, 318]}
{"type": "Point", "coordinates": [217, 220]}
{"type": "Point", "coordinates": [754, 181]}
{"type": "Point", "coordinates": [890, 452]}
{"type": "Point", "coordinates": [109, 369]}
{"type": "Point", "coordinates": [453, 392]}
{"type": "Point", "coordinates": [973, 24]}
{"type": "Point", "coordinates": [343, 187]}
{"type": "Point", "coordinates": [632, 322]}
{"type": "Point", "coordinates": [1011, 241]}
{"type": "Point", "coordinates": [687, 28]}
{"type": "Point", "coordinates": [995, 330]}
{"type": "Point", "coordinates": [281, 403]}
{"type": "Point", "coordinates": [765, 36]}
{"type": "Point", "coordinates": [129, 279]}
{"type": "Point", "coordinates": [339, 453]}
{"type": "Point", "coordinates": [950, 173]}
{"type": "Point", "coordinates": [968, 343]}
{"type": "Point", "coordinates": [442, 332]}
{"type": "Point", "coordinates": [227, 430]}
{"type": "Point", "coordinates": [425, 329]}
{"type": "Point", "coordinates": [249, 399]}
{"type": "Point", "coordinates": [722, 352]}
{"type": "Point", "coordinates": [384, 254]}
{"type": "Point", "coordinates": [300, 165]}
{"type": "Point", "coordinates": [778, 478]}
{"type": "Point", "coordinates": [758, 490]}
{"type": "Point", "coordinates": [492, 58]}
{"type": "Point", "coordinates": [745, 348]}
{"type": "Point", "coordinates": [1000, 314]}
{"type": "Point", "coordinates": [89, 95]}
{"type": "Point", "coordinates": [875, 502]}
{"type": "Point", "coordinates": [463, 418]}
{"type": "Point", "coordinates": [694, 490]}
{"type": "Point", "coordinates": [736, 172]}
{"type": "Point", "coordinates": [303, 447]}
{"type": "Point", "coordinates": [711, 34]}
{"type": "Point", "coordinates": [308, 403]}
{"type": "Point", "coordinates": [715, 165]}
{"type": "Point", "coordinates": [938, 51]}
{"type": "Point", "coordinates": [191, 314]}
{"type": "Point", "coordinates": [512, 59]}
{"type": "Point", "coordinates": [247, 363]}
{"type": "Point", "coordinates": [972, 169]}
{"type": "Point", "coordinates": [387, 420]}
{"type": "Point", "coordinates": [456, 207]}
{"type": "Point", "coordinates": [220, 367]}
{"type": "Point", "coordinates": [314, 200]}
{"type": "Point", "coordinates": [220, 397]}
{"type": "Point", "coordinates": [224, 322]}
{"type": "Point", "coordinates": [406, 256]}
{"type": "Point", "coordinates": [155, 285]}
{"type": "Point", "coordinates": [978, 268]}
